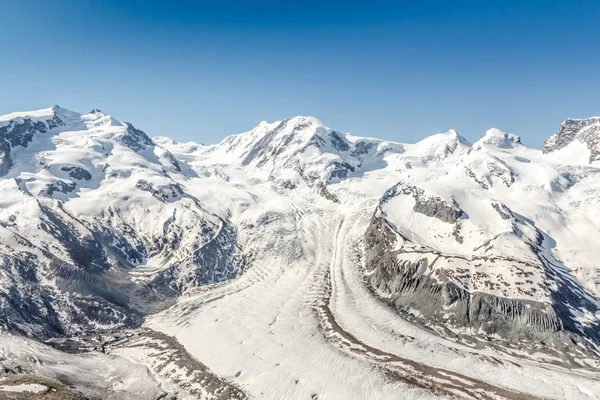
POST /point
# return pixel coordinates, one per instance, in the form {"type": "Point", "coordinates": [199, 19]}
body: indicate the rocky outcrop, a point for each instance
{"type": "Point", "coordinates": [92, 290]}
{"type": "Point", "coordinates": [433, 297]}
{"type": "Point", "coordinates": [165, 193]}
{"type": "Point", "coordinates": [584, 130]}
{"type": "Point", "coordinates": [486, 173]}
{"type": "Point", "coordinates": [77, 173]}
{"type": "Point", "coordinates": [20, 132]}
{"type": "Point", "coordinates": [136, 139]}
{"type": "Point", "coordinates": [59, 186]}
{"type": "Point", "coordinates": [82, 295]}
{"type": "Point", "coordinates": [426, 203]}
{"type": "Point", "coordinates": [217, 261]}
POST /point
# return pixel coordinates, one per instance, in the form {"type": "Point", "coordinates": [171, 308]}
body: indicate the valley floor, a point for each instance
{"type": "Point", "coordinates": [309, 328]}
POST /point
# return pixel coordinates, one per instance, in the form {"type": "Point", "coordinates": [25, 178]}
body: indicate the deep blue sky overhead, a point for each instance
{"type": "Point", "coordinates": [397, 70]}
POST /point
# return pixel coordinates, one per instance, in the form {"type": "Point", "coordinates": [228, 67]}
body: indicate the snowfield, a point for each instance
{"type": "Point", "coordinates": [297, 262]}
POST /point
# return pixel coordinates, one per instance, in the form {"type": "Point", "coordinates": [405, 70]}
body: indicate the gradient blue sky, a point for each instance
{"type": "Point", "coordinates": [397, 70]}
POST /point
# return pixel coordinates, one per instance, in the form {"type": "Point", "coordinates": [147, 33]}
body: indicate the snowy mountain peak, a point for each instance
{"type": "Point", "coordinates": [18, 130]}
{"type": "Point", "coordinates": [574, 133]}
{"type": "Point", "coordinates": [38, 114]}
{"type": "Point", "coordinates": [439, 146]}
{"type": "Point", "coordinates": [305, 120]}
{"type": "Point", "coordinates": [450, 137]}
{"type": "Point", "coordinates": [302, 150]}
{"type": "Point", "coordinates": [64, 113]}
{"type": "Point", "coordinates": [496, 138]}
{"type": "Point", "coordinates": [44, 115]}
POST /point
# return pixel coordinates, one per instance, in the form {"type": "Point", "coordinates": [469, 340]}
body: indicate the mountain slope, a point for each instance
{"type": "Point", "coordinates": [483, 245]}
{"type": "Point", "coordinates": [302, 151]}
{"type": "Point", "coordinates": [576, 139]}
{"type": "Point", "coordinates": [91, 207]}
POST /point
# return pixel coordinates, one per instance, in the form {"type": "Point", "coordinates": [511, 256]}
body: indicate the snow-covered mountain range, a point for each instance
{"type": "Point", "coordinates": [290, 260]}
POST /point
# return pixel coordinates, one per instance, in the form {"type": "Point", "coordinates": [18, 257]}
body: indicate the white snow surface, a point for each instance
{"type": "Point", "coordinates": [261, 330]}
{"type": "Point", "coordinates": [24, 387]}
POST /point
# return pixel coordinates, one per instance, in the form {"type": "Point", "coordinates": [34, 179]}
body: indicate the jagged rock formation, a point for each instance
{"type": "Point", "coordinates": [586, 131]}
{"type": "Point", "coordinates": [19, 132]}
{"type": "Point", "coordinates": [451, 291]}
{"type": "Point", "coordinates": [426, 204]}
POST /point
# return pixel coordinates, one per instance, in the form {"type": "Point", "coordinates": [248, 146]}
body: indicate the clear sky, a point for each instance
{"type": "Point", "coordinates": [400, 70]}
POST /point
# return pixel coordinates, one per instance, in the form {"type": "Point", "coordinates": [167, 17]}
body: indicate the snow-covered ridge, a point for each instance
{"type": "Point", "coordinates": [495, 137]}
{"type": "Point", "coordinates": [572, 135]}
{"type": "Point", "coordinates": [303, 150]}
{"type": "Point", "coordinates": [90, 200]}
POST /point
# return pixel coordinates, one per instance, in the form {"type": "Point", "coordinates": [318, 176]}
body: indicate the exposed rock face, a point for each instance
{"type": "Point", "coordinates": [93, 291]}
{"type": "Point", "coordinates": [77, 173]}
{"type": "Point", "coordinates": [426, 204]}
{"type": "Point", "coordinates": [583, 130]}
{"type": "Point", "coordinates": [217, 261]}
{"type": "Point", "coordinates": [437, 297]}
{"type": "Point", "coordinates": [20, 132]}
{"type": "Point", "coordinates": [59, 186]}
{"type": "Point", "coordinates": [486, 173]}
{"type": "Point", "coordinates": [136, 139]}
{"type": "Point", "coordinates": [83, 296]}
{"type": "Point", "coordinates": [164, 193]}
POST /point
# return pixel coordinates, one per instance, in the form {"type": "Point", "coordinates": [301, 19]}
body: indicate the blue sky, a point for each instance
{"type": "Point", "coordinates": [397, 70]}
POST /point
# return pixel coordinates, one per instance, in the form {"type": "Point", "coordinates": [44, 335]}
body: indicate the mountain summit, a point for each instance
{"type": "Point", "coordinates": [574, 133]}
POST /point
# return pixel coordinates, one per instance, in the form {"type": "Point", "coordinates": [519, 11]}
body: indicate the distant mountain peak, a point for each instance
{"type": "Point", "coordinates": [585, 131]}
{"type": "Point", "coordinates": [496, 138]}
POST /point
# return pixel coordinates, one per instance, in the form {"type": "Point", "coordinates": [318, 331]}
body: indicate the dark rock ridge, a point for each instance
{"type": "Point", "coordinates": [77, 173]}
{"type": "Point", "coordinates": [136, 139]}
{"type": "Point", "coordinates": [20, 132]}
{"type": "Point", "coordinates": [91, 290]}
{"type": "Point", "coordinates": [435, 298]}
{"type": "Point", "coordinates": [164, 193]}
{"type": "Point", "coordinates": [583, 130]}
{"type": "Point", "coordinates": [425, 203]}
